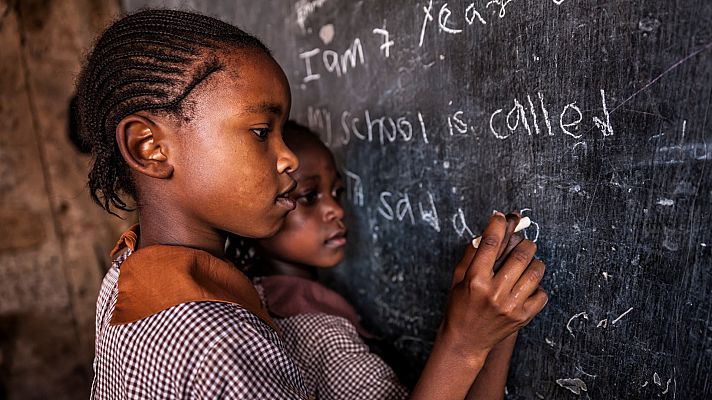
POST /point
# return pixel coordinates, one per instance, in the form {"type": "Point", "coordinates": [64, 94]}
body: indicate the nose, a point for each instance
{"type": "Point", "coordinates": [332, 209]}
{"type": "Point", "coordinates": [287, 161]}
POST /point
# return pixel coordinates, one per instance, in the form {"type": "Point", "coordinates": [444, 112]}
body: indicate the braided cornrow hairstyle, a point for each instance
{"type": "Point", "coordinates": [147, 61]}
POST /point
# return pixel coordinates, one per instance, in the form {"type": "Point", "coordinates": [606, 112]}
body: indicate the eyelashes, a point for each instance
{"type": "Point", "coordinates": [310, 197]}
{"type": "Point", "coordinates": [261, 133]}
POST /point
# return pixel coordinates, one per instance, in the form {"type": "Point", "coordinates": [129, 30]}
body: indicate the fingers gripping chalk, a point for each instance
{"type": "Point", "coordinates": [523, 224]}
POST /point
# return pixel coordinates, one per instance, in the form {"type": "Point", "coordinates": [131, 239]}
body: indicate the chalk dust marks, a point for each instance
{"type": "Point", "coordinates": [306, 8]}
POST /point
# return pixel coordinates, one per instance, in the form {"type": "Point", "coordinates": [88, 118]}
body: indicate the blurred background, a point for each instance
{"type": "Point", "coordinates": [55, 241]}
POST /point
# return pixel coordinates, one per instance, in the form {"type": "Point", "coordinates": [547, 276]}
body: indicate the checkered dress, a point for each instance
{"type": "Point", "coordinates": [198, 350]}
{"type": "Point", "coordinates": [335, 361]}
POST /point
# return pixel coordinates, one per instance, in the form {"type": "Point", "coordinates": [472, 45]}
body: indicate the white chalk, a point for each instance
{"type": "Point", "coordinates": [523, 224]}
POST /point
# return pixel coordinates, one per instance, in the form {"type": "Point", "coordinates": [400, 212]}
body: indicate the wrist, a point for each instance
{"type": "Point", "coordinates": [454, 347]}
{"type": "Point", "coordinates": [449, 372]}
{"type": "Point", "coordinates": [507, 342]}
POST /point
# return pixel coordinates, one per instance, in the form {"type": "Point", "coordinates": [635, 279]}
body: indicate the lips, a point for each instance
{"type": "Point", "coordinates": [337, 239]}
{"type": "Point", "coordinates": [286, 202]}
{"type": "Point", "coordinates": [283, 199]}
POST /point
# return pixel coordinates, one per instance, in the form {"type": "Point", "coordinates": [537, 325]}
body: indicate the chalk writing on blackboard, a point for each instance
{"type": "Point", "coordinates": [387, 41]}
{"type": "Point", "coordinates": [519, 117]}
{"type": "Point", "coordinates": [472, 14]}
{"type": "Point", "coordinates": [334, 62]}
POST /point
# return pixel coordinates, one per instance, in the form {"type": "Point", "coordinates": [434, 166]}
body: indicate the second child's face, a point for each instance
{"type": "Point", "coordinates": [314, 234]}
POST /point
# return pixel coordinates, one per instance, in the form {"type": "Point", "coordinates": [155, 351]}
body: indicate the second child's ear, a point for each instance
{"type": "Point", "coordinates": [144, 146]}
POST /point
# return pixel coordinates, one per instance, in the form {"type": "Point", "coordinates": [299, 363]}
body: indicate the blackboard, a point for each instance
{"type": "Point", "coordinates": [591, 117]}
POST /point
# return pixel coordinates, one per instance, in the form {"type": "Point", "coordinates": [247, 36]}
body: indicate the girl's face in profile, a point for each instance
{"type": "Point", "coordinates": [232, 166]}
{"type": "Point", "coordinates": [314, 234]}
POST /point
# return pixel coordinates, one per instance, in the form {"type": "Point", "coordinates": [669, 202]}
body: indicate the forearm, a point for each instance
{"type": "Point", "coordinates": [448, 374]}
{"type": "Point", "coordinates": [490, 382]}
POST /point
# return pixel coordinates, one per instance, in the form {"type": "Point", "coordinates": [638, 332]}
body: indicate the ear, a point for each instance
{"type": "Point", "coordinates": [144, 146]}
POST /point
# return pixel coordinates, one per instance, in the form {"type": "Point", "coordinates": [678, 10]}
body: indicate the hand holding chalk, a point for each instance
{"type": "Point", "coordinates": [523, 224]}
{"type": "Point", "coordinates": [485, 307]}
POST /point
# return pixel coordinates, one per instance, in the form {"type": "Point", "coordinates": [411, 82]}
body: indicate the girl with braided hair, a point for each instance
{"type": "Point", "coordinates": [184, 114]}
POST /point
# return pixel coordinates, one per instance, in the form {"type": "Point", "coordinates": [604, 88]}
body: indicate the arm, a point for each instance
{"type": "Point", "coordinates": [484, 308]}
{"type": "Point", "coordinates": [490, 383]}
{"type": "Point", "coordinates": [447, 374]}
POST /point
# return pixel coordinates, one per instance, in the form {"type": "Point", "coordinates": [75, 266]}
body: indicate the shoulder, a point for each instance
{"type": "Point", "coordinates": [320, 334]}
{"type": "Point", "coordinates": [244, 349]}
{"type": "Point", "coordinates": [215, 321]}
{"type": "Point", "coordinates": [111, 279]}
{"type": "Point", "coordinates": [318, 325]}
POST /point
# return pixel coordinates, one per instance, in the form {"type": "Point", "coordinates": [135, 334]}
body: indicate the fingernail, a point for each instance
{"type": "Point", "coordinates": [499, 213]}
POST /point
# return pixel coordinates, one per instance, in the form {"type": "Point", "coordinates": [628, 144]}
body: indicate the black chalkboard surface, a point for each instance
{"type": "Point", "coordinates": [591, 117]}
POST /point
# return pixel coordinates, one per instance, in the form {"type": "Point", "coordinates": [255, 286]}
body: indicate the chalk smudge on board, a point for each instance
{"type": "Point", "coordinates": [326, 33]}
{"type": "Point", "coordinates": [670, 240]}
{"type": "Point", "coordinates": [305, 8]}
{"type": "Point", "coordinates": [575, 385]}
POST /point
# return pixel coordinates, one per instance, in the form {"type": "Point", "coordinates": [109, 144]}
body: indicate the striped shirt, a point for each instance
{"type": "Point", "coordinates": [192, 350]}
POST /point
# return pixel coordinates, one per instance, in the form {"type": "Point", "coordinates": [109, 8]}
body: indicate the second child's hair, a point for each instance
{"type": "Point", "coordinates": [150, 60]}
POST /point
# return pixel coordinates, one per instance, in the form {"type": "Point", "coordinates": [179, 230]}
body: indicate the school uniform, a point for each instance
{"type": "Point", "coordinates": [322, 334]}
{"type": "Point", "coordinates": [175, 323]}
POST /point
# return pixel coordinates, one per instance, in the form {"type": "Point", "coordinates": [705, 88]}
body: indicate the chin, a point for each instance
{"type": "Point", "coordinates": [266, 232]}
{"type": "Point", "coordinates": [275, 229]}
{"type": "Point", "coordinates": [330, 262]}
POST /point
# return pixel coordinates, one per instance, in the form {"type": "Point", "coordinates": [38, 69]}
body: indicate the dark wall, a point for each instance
{"type": "Point", "coordinates": [54, 240]}
{"type": "Point", "coordinates": [591, 117]}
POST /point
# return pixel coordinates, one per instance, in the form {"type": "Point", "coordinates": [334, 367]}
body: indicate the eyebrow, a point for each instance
{"type": "Point", "coordinates": [265, 107]}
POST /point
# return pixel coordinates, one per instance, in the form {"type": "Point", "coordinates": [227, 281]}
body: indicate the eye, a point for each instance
{"type": "Point", "coordinates": [261, 132]}
{"type": "Point", "coordinates": [308, 198]}
{"type": "Point", "coordinates": [338, 193]}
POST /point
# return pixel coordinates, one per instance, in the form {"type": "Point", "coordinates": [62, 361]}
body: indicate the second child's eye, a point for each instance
{"type": "Point", "coordinates": [308, 198]}
{"type": "Point", "coordinates": [261, 132]}
{"type": "Point", "coordinates": [338, 193]}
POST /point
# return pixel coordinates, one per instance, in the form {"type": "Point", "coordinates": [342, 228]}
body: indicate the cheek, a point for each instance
{"type": "Point", "coordinates": [299, 227]}
{"type": "Point", "coordinates": [251, 177]}
{"type": "Point", "coordinates": [298, 239]}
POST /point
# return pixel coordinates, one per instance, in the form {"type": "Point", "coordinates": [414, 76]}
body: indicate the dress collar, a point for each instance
{"type": "Point", "coordinates": [155, 278]}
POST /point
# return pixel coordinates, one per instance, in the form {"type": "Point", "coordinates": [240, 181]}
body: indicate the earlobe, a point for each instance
{"type": "Point", "coordinates": [143, 147]}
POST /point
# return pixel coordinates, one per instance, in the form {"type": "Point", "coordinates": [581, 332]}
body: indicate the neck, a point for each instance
{"type": "Point", "coordinates": [160, 227]}
{"type": "Point", "coordinates": [279, 267]}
